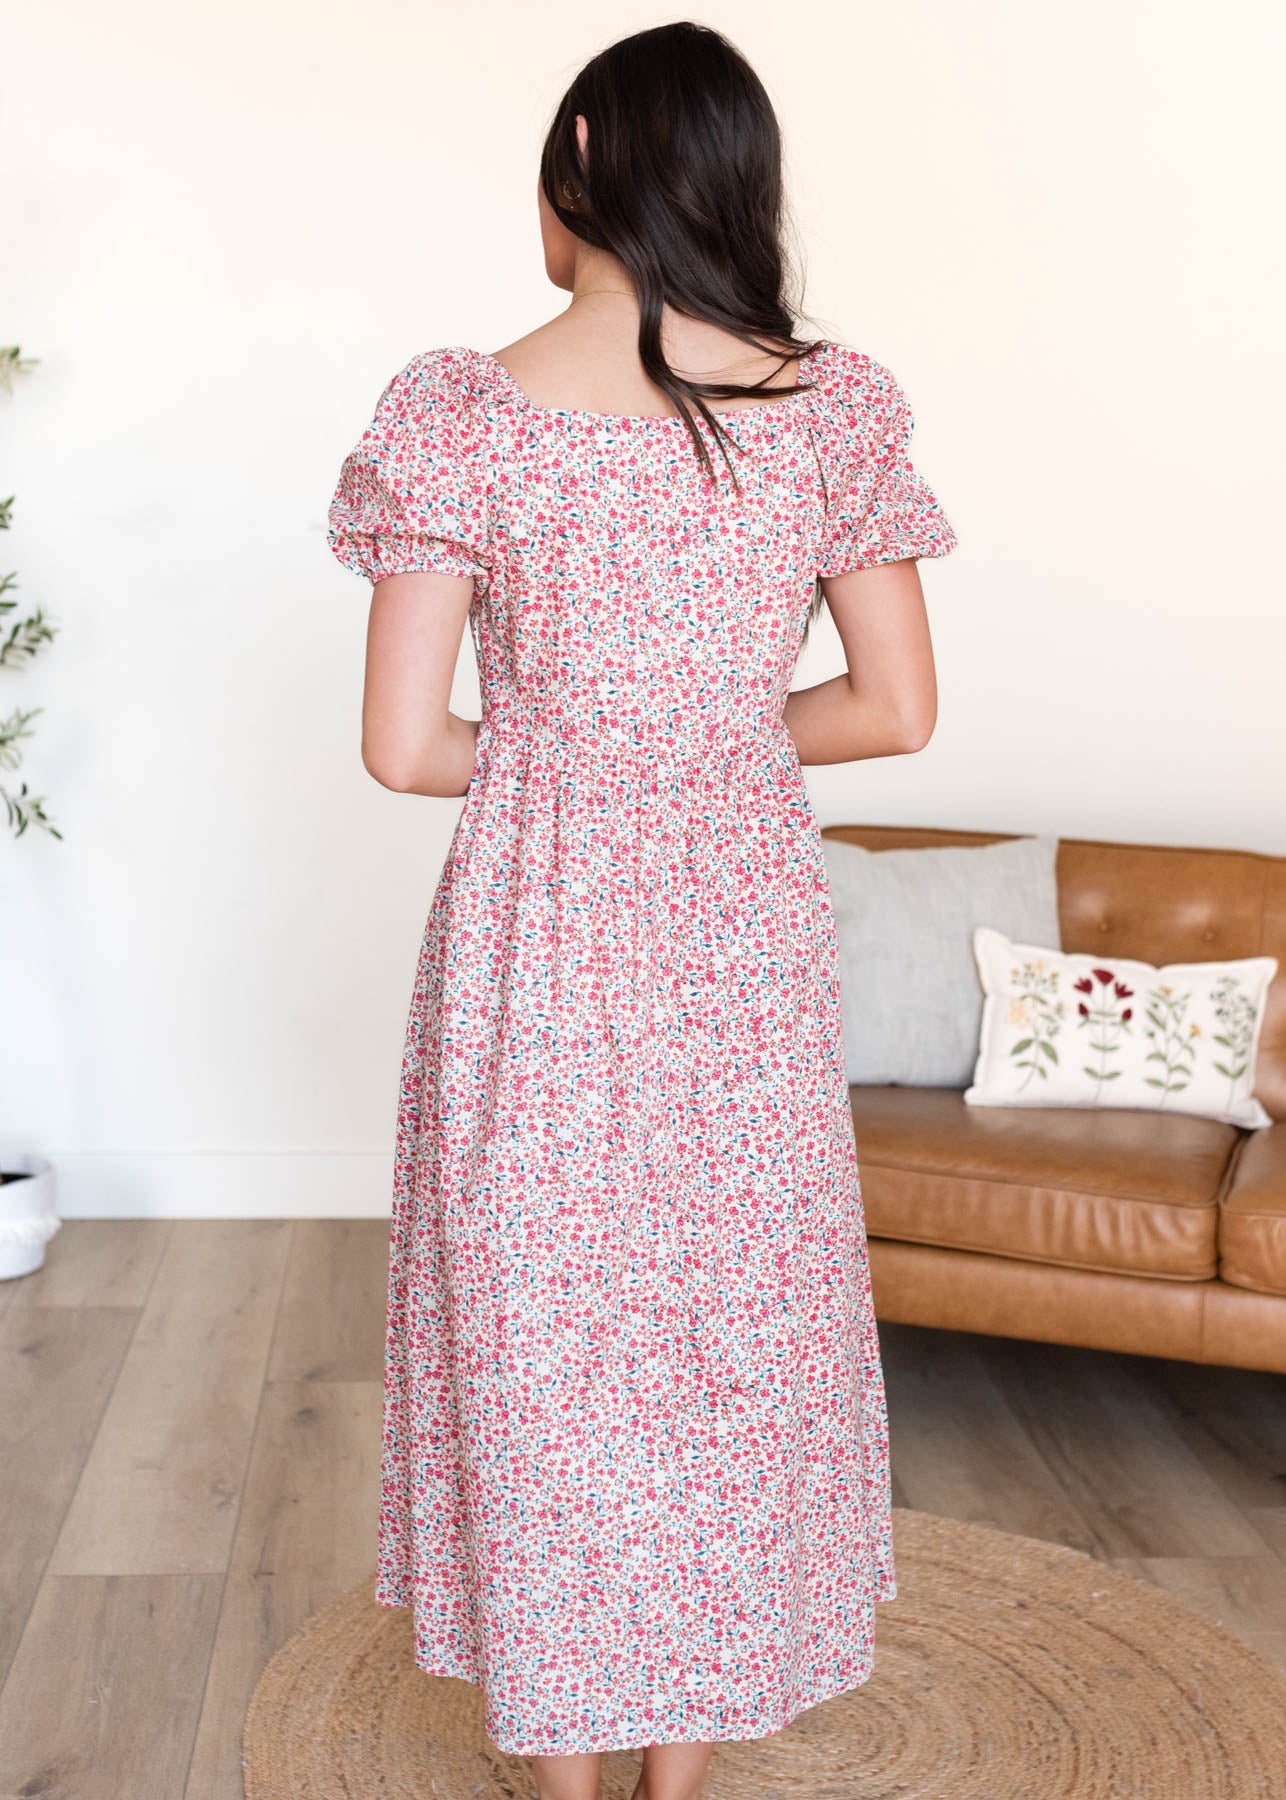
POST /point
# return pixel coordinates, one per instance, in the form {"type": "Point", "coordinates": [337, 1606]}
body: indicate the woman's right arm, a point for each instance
{"type": "Point", "coordinates": [411, 741]}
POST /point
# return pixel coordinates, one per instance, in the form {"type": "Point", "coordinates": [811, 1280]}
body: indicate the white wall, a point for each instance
{"type": "Point", "coordinates": [227, 226]}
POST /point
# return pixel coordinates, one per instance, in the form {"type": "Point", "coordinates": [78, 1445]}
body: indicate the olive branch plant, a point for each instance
{"type": "Point", "coordinates": [23, 640]}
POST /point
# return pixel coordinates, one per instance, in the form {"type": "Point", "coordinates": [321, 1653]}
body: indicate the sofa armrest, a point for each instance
{"type": "Point", "coordinates": [1252, 1218]}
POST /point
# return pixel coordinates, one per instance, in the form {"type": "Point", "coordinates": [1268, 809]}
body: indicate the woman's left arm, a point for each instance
{"type": "Point", "coordinates": [886, 702]}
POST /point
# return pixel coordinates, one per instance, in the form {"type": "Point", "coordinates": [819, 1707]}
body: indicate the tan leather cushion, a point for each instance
{"type": "Point", "coordinates": [960, 1290]}
{"type": "Point", "coordinates": [1117, 1190]}
{"type": "Point", "coordinates": [1252, 1231]}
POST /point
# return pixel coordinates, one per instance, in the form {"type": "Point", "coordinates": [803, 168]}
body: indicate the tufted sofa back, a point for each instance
{"type": "Point", "coordinates": [1157, 903]}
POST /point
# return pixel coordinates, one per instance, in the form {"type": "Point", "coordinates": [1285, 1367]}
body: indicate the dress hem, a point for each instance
{"type": "Point", "coordinates": [597, 1747]}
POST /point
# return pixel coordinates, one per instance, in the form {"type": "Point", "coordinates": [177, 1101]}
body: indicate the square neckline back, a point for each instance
{"type": "Point", "coordinates": [577, 412]}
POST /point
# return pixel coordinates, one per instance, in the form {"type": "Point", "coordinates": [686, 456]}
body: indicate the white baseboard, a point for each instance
{"type": "Point", "coordinates": [213, 1184]}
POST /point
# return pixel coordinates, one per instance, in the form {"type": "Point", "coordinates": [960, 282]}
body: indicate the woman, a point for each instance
{"type": "Point", "coordinates": [635, 1476]}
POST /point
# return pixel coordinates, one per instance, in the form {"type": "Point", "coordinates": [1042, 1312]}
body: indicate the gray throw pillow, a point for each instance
{"type": "Point", "coordinates": [909, 987]}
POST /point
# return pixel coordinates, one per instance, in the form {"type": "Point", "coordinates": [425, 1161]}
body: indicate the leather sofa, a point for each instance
{"type": "Point", "coordinates": [1129, 1230]}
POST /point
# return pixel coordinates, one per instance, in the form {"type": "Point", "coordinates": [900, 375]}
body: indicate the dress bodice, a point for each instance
{"type": "Point", "coordinates": [619, 588]}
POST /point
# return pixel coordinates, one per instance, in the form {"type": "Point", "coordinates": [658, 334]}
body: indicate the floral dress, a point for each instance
{"type": "Point", "coordinates": [635, 1477]}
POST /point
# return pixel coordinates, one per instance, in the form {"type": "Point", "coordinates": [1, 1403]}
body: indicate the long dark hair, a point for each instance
{"type": "Point", "coordinates": [683, 184]}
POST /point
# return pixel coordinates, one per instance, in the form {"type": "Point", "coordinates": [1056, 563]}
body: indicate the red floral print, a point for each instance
{"type": "Point", "coordinates": [635, 1470]}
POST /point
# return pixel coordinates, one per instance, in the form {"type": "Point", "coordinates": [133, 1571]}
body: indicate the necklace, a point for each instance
{"type": "Point", "coordinates": [625, 293]}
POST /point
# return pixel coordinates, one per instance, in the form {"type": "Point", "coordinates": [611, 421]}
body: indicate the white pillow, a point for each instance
{"type": "Point", "coordinates": [1062, 1029]}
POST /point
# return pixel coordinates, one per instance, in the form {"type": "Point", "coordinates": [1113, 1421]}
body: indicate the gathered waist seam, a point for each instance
{"type": "Point", "coordinates": [711, 752]}
{"type": "Point", "coordinates": [645, 735]}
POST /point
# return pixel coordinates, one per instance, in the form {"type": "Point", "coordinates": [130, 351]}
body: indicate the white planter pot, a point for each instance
{"type": "Point", "coordinates": [28, 1218]}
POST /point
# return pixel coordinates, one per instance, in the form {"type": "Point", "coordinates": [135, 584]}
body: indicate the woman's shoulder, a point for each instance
{"type": "Point", "coordinates": [449, 374]}
{"type": "Point", "coordinates": [850, 377]}
{"type": "Point", "coordinates": [435, 402]}
{"type": "Point", "coordinates": [856, 397]}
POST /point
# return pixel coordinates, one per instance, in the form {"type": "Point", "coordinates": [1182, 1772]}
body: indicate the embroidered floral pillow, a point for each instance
{"type": "Point", "coordinates": [1061, 1029]}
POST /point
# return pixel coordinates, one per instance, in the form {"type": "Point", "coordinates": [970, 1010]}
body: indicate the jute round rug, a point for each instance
{"type": "Point", "coordinates": [1005, 1669]}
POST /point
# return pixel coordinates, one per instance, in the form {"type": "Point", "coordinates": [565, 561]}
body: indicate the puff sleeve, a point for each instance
{"type": "Point", "coordinates": [881, 509]}
{"type": "Point", "coordinates": [412, 494]}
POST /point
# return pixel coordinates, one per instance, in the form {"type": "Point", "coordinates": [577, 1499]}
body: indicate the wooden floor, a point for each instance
{"type": "Point", "coordinates": [189, 1422]}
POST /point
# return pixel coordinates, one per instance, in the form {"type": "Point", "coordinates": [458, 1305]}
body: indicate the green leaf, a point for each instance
{"type": "Point", "coordinates": [1020, 1046]}
{"type": "Point", "coordinates": [25, 808]}
{"type": "Point", "coordinates": [1110, 1075]}
{"type": "Point", "coordinates": [1049, 1050]}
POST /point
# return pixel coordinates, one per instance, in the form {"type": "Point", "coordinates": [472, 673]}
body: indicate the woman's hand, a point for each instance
{"type": "Point", "coordinates": [886, 704]}
{"type": "Point", "coordinates": [411, 742]}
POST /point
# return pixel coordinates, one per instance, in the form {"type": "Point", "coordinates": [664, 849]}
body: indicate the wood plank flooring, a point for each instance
{"type": "Point", "coordinates": [189, 1439]}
